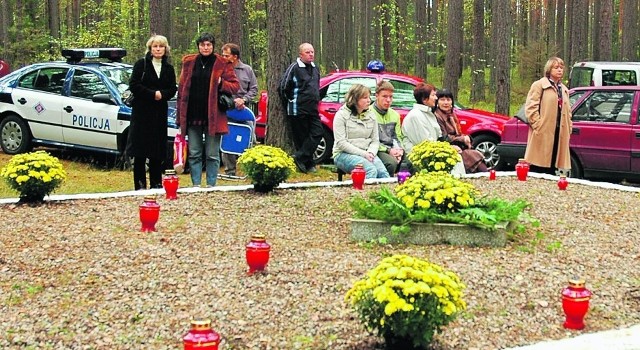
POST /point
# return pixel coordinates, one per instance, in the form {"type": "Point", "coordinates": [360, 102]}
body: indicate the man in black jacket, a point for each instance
{"type": "Point", "coordinates": [301, 89]}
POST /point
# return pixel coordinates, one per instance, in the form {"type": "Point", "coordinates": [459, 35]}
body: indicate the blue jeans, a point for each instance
{"type": "Point", "coordinates": [211, 145]}
{"type": "Point", "coordinates": [347, 162]}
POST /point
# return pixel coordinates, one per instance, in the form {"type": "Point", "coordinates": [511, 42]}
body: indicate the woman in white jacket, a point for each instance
{"type": "Point", "coordinates": [421, 124]}
{"type": "Point", "coordinates": [355, 133]}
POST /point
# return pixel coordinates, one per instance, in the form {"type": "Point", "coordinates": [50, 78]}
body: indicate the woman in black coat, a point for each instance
{"type": "Point", "coordinates": [153, 83]}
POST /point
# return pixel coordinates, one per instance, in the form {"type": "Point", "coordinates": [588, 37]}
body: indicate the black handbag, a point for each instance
{"type": "Point", "coordinates": [225, 102]}
{"type": "Point", "coordinates": [127, 98]}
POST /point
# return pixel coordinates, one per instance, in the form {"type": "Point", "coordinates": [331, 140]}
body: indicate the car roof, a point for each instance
{"type": "Point", "coordinates": [605, 88]}
{"type": "Point", "coordinates": [365, 73]}
{"type": "Point", "coordinates": [606, 64]}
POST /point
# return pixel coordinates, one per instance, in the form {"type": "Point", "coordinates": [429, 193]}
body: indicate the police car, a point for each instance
{"type": "Point", "coordinates": [77, 104]}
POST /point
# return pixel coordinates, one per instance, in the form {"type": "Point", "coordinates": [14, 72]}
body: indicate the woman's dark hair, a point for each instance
{"type": "Point", "coordinates": [422, 91]}
{"type": "Point", "coordinates": [206, 37]}
{"type": "Point", "coordinates": [444, 93]}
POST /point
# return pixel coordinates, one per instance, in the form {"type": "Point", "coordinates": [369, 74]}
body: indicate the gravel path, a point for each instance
{"type": "Point", "coordinates": [79, 275]}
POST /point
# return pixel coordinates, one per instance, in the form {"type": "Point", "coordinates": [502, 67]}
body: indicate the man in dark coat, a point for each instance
{"type": "Point", "coordinates": [153, 83]}
{"type": "Point", "coordinates": [302, 91]}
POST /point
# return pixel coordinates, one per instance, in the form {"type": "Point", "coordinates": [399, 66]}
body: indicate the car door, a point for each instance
{"type": "Point", "coordinates": [602, 132]}
{"type": "Point", "coordinates": [89, 124]}
{"type": "Point", "coordinates": [332, 96]}
{"type": "Point", "coordinates": [38, 101]}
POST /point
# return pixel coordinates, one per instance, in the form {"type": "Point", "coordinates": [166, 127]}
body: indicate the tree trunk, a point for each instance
{"type": "Point", "coordinates": [155, 17]}
{"type": "Point", "coordinates": [477, 52]}
{"type": "Point", "coordinates": [235, 20]}
{"type": "Point", "coordinates": [502, 38]}
{"type": "Point", "coordinates": [402, 27]}
{"type": "Point", "coordinates": [54, 24]}
{"type": "Point", "coordinates": [629, 24]}
{"type": "Point", "coordinates": [421, 38]}
{"type": "Point", "coordinates": [387, 24]}
{"type": "Point", "coordinates": [578, 39]}
{"type": "Point", "coordinates": [560, 28]}
{"type": "Point", "coordinates": [5, 24]}
{"type": "Point", "coordinates": [603, 40]}
{"type": "Point", "coordinates": [278, 43]}
{"type": "Point", "coordinates": [453, 56]}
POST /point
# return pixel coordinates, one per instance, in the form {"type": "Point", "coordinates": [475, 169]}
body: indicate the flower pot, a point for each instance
{"type": "Point", "coordinates": [392, 342]}
{"type": "Point", "coordinates": [262, 188]}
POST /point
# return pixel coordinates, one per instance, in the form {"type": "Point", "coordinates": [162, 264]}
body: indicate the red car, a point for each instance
{"type": "Point", "coordinates": [484, 127]}
{"type": "Point", "coordinates": [605, 138]}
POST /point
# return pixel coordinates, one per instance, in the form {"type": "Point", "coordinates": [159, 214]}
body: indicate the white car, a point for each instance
{"type": "Point", "coordinates": [76, 104]}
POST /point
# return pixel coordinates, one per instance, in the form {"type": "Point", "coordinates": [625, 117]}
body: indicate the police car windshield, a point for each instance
{"type": "Point", "coordinates": [119, 76]}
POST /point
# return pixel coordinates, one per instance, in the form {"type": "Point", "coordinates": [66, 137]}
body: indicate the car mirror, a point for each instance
{"type": "Point", "coordinates": [103, 98]}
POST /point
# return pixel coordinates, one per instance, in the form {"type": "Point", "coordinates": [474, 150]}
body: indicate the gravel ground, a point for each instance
{"type": "Point", "coordinates": [79, 275]}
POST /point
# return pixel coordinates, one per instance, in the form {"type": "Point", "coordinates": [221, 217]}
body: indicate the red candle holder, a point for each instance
{"type": "Point", "coordinates": [575, 303]}
{"type": "Point", "coordinates": [522, 169]}
{"type": "Point", "coordinates": [358, 175]}
{"type": "Point", "coordinates": [170, 182]}
{"type": "Point", "coordinates": [492, 174]}
{"type": "Point", "coordinates": [201, 336]}
{"type": "Point", "coordinates": [149, 214]}
{"type": "Point", "coordinates": [563, 183]}
{"type": "Point", "coordinates": [257, 253]}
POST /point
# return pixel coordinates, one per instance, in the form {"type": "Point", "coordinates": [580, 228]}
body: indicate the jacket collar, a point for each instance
{"type": "Point", "coordinates": [302, 65]}
{"type": "Point", "coordinates": [422, 108]}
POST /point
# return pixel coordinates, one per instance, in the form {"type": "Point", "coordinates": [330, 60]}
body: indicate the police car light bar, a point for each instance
{"type": "Point", "coordinates": [113, 54]}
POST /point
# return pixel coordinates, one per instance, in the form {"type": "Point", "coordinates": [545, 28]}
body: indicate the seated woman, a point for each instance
{"type": "Point", "coordinates": [355, 133]}
{"type": "Point", "coordinates": [421, 124]}
{"type": "Point", "coordinates": [450, 126]}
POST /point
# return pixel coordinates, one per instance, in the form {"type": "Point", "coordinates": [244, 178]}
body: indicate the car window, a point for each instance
{"type": "Point", "coordinates": [614, 77]}
{"type": "Point", "coordinates": [605, 106]}
{"type": "Point", "coordinates": [580, 76]}
{"type": "Point", "coordinates": [338, 89]}
{"type": "Point", "coordinates": [46, 80]}
{"type": "Point", "coordinates": [402, 94]}
{"type": "Point", "coordinates": [119, 76]}
{"type": "Point", "coordinates": [575, 96]}
{"type": "Point", "coordinates": [86, 84]}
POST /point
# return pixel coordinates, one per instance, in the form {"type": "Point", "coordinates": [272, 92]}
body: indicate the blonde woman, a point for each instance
{"type": "Point", "coordinates": [355, 133]}
{"type": "Point", "coordinates": [153, 83]}
{"type": "Point", "coordinates": [549, 113]}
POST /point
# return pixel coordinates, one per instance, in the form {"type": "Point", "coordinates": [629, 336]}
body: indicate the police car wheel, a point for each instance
{"type": "Point", "coordinates": [15, 135]}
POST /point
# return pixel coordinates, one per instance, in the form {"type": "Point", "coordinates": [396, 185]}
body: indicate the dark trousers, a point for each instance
{"type": "Point", "coordinates": [306, 133]}
{"type": "Point", "coordinates": [140, 173]}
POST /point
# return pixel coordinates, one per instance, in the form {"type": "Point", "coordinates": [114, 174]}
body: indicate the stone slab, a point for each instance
{"type": "Point", "coordinates": [426, 234]}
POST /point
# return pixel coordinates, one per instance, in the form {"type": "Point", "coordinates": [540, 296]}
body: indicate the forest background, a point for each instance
{"type": "Point", "coordinates": [486, 51]}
